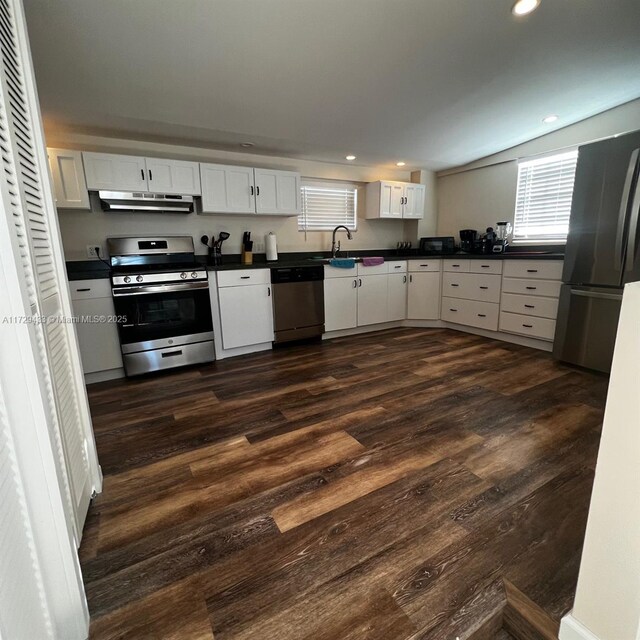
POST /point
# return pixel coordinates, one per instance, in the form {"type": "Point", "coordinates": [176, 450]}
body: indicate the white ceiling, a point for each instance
{"type": "Point", "coordinates": [436, 83]}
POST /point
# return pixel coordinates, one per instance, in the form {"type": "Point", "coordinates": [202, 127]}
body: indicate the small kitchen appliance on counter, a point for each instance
{"type": "Point", "coordinates": [437, 246]}
{"type": "Point", "coordinates": [161, 297]}
{"type": "Point", "coordinates": [468, 239]}
{"type": "Point", "coordinates": [501, 242]}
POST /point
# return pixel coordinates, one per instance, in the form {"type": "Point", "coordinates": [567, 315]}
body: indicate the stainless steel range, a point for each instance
{"type": "Point", "coordinates": [161, 294]}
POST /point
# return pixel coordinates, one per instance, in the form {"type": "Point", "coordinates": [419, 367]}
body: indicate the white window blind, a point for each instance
{"type": "Point", "coordinates": [324, 207]}
{"type": "Point", "coordinates": [543, 201]}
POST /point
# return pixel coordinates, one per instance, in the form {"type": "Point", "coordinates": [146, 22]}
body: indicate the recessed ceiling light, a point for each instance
{"type": "Point", "coordinates": [550, 119]}
{"type": "Point", "coordinates": [247, 145]}
{"type": "Point", "coordinates": [524, 7]}
{"type": "Point", "coordinates": [400, 164]}
{"type": "Point", "coordinates": [350, 157]}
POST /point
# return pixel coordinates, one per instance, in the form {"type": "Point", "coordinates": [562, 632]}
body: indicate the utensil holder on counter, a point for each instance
{"type": "Point", "coordinates": [247, 257]}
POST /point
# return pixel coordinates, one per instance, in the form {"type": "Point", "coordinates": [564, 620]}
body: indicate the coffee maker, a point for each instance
{"type": "Point", "coordinates": [501, 242]}
{"type": "Point", "coordinates": [468, 238]}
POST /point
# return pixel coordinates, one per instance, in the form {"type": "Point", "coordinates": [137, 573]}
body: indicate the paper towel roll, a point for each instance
{"type": "Point", "coordinates": [271, 247]}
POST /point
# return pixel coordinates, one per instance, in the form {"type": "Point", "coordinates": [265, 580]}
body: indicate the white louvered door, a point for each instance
{"type": "Point", "coordinates": [36, 230]}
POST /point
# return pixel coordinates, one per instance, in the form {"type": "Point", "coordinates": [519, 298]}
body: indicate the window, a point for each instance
{"type": "Point", "coordinates": [325, 206]}
{"type": "Point", "coordinates": [543, 201]}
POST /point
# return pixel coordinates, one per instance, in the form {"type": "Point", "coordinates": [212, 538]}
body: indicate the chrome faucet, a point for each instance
{"type": "Point", "coordinates": [335, 247]}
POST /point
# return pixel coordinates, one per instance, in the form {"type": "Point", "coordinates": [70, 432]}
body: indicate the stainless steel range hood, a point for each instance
{"type": "Point", "coordinates": [119, 201]}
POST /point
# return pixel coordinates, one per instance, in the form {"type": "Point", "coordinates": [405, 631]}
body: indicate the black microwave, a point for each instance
{"type": "Point", "coordinates": [440, 246]}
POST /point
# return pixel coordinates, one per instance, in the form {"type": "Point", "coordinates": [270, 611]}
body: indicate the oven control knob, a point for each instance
{"type": "Point", "coordinates": [183, 275]}
{"type": "Point", "coordinates": [194, 274]}
{"type": "Point", "coordinates": [139, 278]}
{"type": "Point", "coordinates": [127, 279]}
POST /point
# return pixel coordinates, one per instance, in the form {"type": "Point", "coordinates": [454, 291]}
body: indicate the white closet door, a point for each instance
{"type": "Point", "coordinates": [37, 235]}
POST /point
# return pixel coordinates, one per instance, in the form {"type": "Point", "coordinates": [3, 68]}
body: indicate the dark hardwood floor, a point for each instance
{"type": "Point", "coordinates": [386, 486]}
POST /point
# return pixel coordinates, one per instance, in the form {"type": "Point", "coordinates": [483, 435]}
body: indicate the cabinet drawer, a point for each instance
{"type": "Point", "coordinates": [424, 265]}
{"type": "Point", "coordinates": [243, 277]}
{"type": "Point", "coordinates": [485, 266]}
{"type": "Point", "coordinates": [483, 315]}
{"type": "Point", "coordinates": [544, 269]}
{"type": "Point", "coordinates": [471, 286]}
{"type": "Point", "coordinates": [543, 328]}
{"type": "Point", "coordinates": [376, 270]}
{"type": "Point", "coordinates": [462, 265]}
{"type": "Point", "coordinates": [530, 305]}
{"type": "Point", "coordinates": [397, 266]}
{"type": "Point", "coordinates": [531, 287]}
{"type": "Point", "coordinates": [85, 289]}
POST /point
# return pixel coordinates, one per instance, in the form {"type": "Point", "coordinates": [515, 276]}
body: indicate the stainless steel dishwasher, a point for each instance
{"type": "Point", "coordinates": [298, 302]}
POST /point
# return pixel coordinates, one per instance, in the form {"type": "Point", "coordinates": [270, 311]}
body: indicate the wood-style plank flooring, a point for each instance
{"type": "Point", "coordinates": [383, 486]}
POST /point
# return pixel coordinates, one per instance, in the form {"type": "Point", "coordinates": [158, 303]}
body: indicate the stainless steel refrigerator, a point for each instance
{"type": "Point", "coordinates": [602, 252]}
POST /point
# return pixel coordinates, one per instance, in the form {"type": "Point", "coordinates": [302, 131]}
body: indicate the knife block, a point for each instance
{"type": "Point", "coordinates": [247, 257]}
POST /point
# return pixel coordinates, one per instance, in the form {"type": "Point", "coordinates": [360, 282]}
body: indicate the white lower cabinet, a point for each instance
{"type": "Point", "coordinates": [97, 332]}
{"type": "Point", "coordinates": [543, 328]}
{"type": "Point", "coordinates": [397, 296]}
{"type": "Point", "coordinates": [340, 302]}
{"type": "Point", "coordinates": [372, 299]}
{"type": "Point", "coordinates": [423, 297]}
{"type": "Point", "coordinates": [246, 310]}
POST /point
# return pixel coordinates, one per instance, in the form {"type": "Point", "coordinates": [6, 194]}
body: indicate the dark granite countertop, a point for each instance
{"type": "Point", "coordinates": [90, 269]}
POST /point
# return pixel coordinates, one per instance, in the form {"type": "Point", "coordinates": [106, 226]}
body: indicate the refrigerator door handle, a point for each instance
{"type": "Point", "coordinates": [596, 294]}
{"type": "Point", "coordinates": [632, 236]}
{"type": "Point", "coordinates": [624, 208]}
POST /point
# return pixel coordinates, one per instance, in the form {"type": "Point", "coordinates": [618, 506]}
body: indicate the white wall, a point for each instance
{"type": "Point", "coordinates": [479, 194]}
{"type": "Point", "coordinates": [607, 602]}
{"type": "Point", "coordinates": [80, 228]}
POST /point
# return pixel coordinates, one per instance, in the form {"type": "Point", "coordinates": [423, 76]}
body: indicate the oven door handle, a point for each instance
{"type": "Point", "coordinates": [158, 288]}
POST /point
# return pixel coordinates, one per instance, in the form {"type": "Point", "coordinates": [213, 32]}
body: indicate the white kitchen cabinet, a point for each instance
{"type": "Point", "coordinates": [98, 340]}
{"type": "Point", "coordinates": [227, 189]}
{"type": "Point", "coordinates": [245, 190]}
{"type": "Point", "coordinates": [277, 192]}
{"type": "Point", "coordinates": [372, 299]}
{"type": "Point", "coordinates": [69, 184]}
{"type": "Point", "coordinates": [395, 200]}
{"type": "Point", "coordinates": [173, 176]}
{"type": "Point", "coordinates": [413, 202]}
{"type": "Point", "coordinates": [423, 297]}
{"type": "Point", "coordinates": [397, 296]}
{"type": "Point", "coordinates": [246, 315]}
{"type": "Point", "coordinates": [340, 303]}
{"type": "Point", "coordinates": [111, 172]}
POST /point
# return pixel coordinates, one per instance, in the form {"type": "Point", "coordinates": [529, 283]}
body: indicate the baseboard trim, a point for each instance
{"type": "Point", "coordinates": [103, 376]}
{"type": "Point", "coordinates": [524, 619]}
{"type": "Point", "coordinates": [571, 629]}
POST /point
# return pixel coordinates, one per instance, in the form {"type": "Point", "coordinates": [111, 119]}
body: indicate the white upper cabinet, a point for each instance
{"type": "Point", "coordinates": [113, 172]}
{"type": "Point", "coordinates": [413, 202]}
{"type": "Point", "coordinates": [245, 190]}
{"type": "Point", "coordinates": [227, 189]}
{"type": "Point", "coordinates": [69, 184]}
{"type": "Point", "coordinates": [277, 192]}
{"type": "Point", "coordinates": [173, 176]}
{"type": "Point", "coordinates": [395, 200]}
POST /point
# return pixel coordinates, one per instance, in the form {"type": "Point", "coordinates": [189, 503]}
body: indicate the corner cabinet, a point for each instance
{"type": "Point", "coordinates": [248, 191]}
{"type": "Point", "coordinates": [112, 172]}
{"type": "Point", "coordinates": [69, 184]}
{"type": "Point", "coordinates": [395, 200]}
